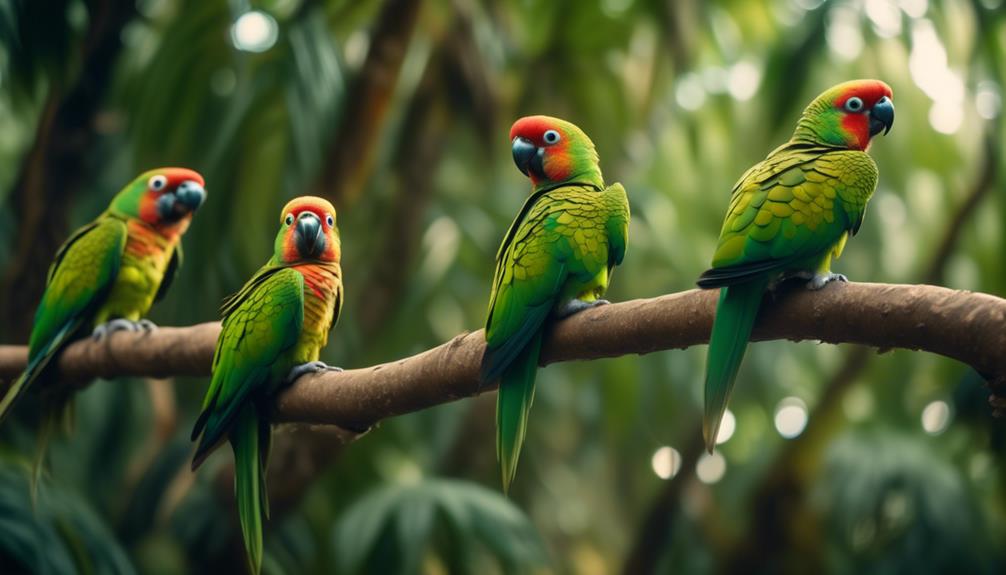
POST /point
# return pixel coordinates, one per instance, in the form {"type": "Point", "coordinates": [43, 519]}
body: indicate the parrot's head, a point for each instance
{"type": "Point", "coordinates": [553, 151]}
{"type": "Point", "coordinates": [164, 198]}
{"type": "Point", "coordinates": [848, 115]}
{"type": "Point", "coordinates": [307, 232]}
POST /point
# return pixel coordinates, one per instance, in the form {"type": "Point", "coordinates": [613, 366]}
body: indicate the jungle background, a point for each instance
{"type": "Point", "coordinates": [833, 458]}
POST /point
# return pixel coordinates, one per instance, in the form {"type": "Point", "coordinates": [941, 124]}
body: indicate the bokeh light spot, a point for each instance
{"type": "Point", "coordinates": [711, 468]}
{"type": "Point", "coordinates": [791, 417]}
{"type": "Point", "coordinates": [988, 101]}
{"type": "Point", "coordinates": [936, 417]}
{"type": "Point", "coordinates": [666, 462]}
{"type": "Point", "coordinates": [690, 94]}
{"type": "Point", "coordinates": [254, 31]}
{"type": "Point", "coordinates": [744, 80]}
{"type": "Point", "coordinates": [727, 427]}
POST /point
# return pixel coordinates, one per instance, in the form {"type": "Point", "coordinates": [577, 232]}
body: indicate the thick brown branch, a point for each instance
{"type": "Point", "coordinates": [967, 326]}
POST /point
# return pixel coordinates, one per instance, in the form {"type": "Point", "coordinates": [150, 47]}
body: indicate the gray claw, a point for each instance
{"type": "Point", "coordinates": [146, 325]}
{"type": "Point", "coordinates": [104, 330]}
{"type": "Point", "coordinates": [309, 367]}
{"type": "Point", "coordinates": [578, 305]}
{"type": "Point", "coordinates": [821, 280]}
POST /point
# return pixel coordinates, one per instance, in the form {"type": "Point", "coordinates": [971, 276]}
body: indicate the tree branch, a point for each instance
{"type": "Point", "coordinates": [967, 326]}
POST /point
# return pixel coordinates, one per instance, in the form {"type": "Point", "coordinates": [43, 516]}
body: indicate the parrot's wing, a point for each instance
{"type": "Point", "coordinates": [80, 277]}
{"type": "Point", "coordinates": [261, 322]}
{"type": "Point", "coordinates": [617, 225]}
{"type": "Point", "coordinates": [788, 209]}
{"type": "Point", "coordinates": [525, 284]}
{"type": "Point", "coordinates": [561, 234]}
{"type": "Point", "coordinates": [177, 258]}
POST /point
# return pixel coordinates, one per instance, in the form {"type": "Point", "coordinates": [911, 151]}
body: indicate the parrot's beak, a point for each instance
{"type": "Point", "coordinates": [190, 194]}
{"type": "Point", "coordinates": [182, 201]}
{"type": "Point", "coordinates": [528, 157]}
{"type": "Point", "coordinates": [881, 116]}
{"type": "Point", "coordinates": [310, 239]}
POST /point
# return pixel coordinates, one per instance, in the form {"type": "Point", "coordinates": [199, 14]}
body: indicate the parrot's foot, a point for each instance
{"type": "Point", "coordinates": [820, 280]}
{"type": "Point", "coordinates": [309, 367]}
{"type": "Point", "coordinates": [104, 330]}
{"type": "Point", "coordinates": [578, 305]}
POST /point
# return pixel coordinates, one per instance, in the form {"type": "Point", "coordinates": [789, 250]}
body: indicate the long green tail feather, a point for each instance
{"type": "Point", "coordinates": [36, 367]}
{"type": "Point", "coordinates": [249, 483]}
{"type": "Point", "coordinates": [513, 402]}
{"type": "Point", "coordinates": [735, 316]}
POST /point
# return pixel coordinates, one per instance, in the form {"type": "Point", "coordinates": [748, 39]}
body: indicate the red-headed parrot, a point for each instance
{"type": "Point", "coordinates": [555, 260]}
{"type": "Point", "coordinates": [789, 216]}
{"type": "Point", "coordinates": [273, 332]}
{"type": "Point", "coordinates": [109, 273]}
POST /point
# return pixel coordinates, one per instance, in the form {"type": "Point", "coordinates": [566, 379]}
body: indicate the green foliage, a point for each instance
{"type": "Point", "coordinates": [894, 505]}
{"type": "Point", "coordinates": [59, 533]}
{"type": "Point", "coordinates": [461, 526]}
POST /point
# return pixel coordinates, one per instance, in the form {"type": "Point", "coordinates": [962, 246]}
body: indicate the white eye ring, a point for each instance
{"type": "Point", "coordinates": [854, 104]}
{"type": "Point", "coordinates": [330, 221]}
{"type": "Point", "coordinates": [289, 219]}
{"type": "Point", "coordinates": [551, 137]}
{"type": "Point", "coordinates": [157, 183]}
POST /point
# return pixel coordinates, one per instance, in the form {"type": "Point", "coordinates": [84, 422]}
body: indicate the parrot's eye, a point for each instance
{"type": "Point", "coordinates": [854, 104]}
{"type": "Point", "coordinates": [289, 219]}
{"type": "Point", "coordinates": [330, 221]}
{"type": "Point", "coordinates": [157, 183]}
{"type": "Point", "coordinates": [551, 137]}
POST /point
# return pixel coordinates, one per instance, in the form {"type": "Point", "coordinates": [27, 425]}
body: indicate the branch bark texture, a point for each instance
{"type": "Point", "coordinates": [966, 326]}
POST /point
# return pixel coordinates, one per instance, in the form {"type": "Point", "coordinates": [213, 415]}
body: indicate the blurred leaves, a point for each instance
{"type": "Point", "coordinates": [60, 534]}
{"type": "Point", "coordinates": [894, 505]}
{"type": "Point", "coordinates": [462, 526]}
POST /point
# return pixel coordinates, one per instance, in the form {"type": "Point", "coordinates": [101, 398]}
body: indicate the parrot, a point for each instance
{"type": "Point", "coordinates": [273, 331]}
{"type": "Point", "coordinates": [555, 260]}
{"type": "Point", "coordinates": [789, 215]}
{"type": "Point", "coordinates": [105, 277]}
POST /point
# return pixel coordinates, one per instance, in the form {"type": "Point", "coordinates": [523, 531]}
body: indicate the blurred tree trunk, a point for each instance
{"type": "Point", "coordinates": [454, 81]}
{"type": "Point", "coordinates": [54, 168]}
{"type": "Point", "coordinates": [354, 145]}
{"type": "Point", "coordinates": [657, 529]}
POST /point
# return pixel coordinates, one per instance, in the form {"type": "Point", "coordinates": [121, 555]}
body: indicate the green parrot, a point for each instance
{"type": "Point", "coordinates": [273, 332]}
{"type": "Point", "coordinates": [109, 273]}
{"type": "Point", "coordinates": [556, 259]}
{"type": "Point", "coordinates": [789, 216]}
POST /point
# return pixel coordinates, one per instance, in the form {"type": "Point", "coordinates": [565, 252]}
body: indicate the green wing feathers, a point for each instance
{"type": "Point", "coordinates": [795, 207]}
{"type": "Point", "coordinates": [79, 280]}
{"type": "Point", "coordinates": [261, 323]}
{"type": "Point", "coordinates": [735, 316]}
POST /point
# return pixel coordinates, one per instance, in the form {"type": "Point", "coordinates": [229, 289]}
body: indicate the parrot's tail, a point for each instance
{"type": "Point", "coordinates": [250, 442]}
{"type": "Point", "coordinates": [516, 392]}
{"type": "Point", "coordinates": [735, 316]}
{"type": "Point", "coordinates": [36, 366]}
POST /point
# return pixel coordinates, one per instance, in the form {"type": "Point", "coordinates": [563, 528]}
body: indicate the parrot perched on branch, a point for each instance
{"type": "Point", "coordinates": [273, 332]}
{"type": "Point", "coordinates": [555, 260]}
{"type": "Point", "coordinates": [109, 273]}
{"type": "Point", "coordinates": [789, 216]}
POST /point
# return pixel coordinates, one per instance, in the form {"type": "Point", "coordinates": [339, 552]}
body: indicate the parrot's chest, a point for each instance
{"type": "Point", "coordinates": [144, 263]}
{"type": "Point", "coordinates": [322, 290]}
